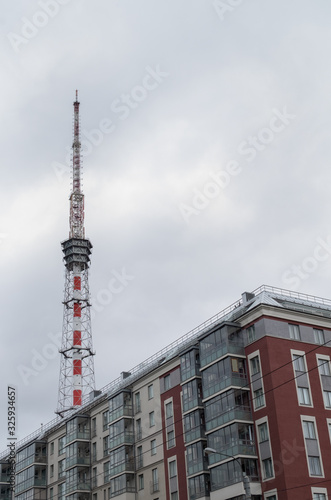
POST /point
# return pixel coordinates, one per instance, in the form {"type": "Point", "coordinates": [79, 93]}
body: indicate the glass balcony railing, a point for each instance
{"type": "Point", "coordinates": [195, 466]}
{"type": "Point", "coordinates": [237, 413]}
{"type": "Point", "coordinates": [191, 403]}
{"type": "Point", "coordinates": [242, 447]}
{"type": "Point", "coordinates": [208, 356]}
{"type": "Point", "coordinates": [126, 489]}
{"type": "Point", "coordinates": [126, 466]}
{"type": "Point", "coordinates": [187, 373]}
{"type": "Point", "coordinates": [125, 437]}
{"type": "Point", "coordinates": [78, 486]}
{"type": "Point", "coordinates": [30, 483]}
{"type": "Point", "coordinates": [194, 434]}
{"type": "Point", "coordinates": [122, 411]}
{"type": "Point", "coordinates": [232, 380]}
{"type": "Point", "coordinates": [4, 478]}
{"type": "Point", "coordinates": [73, 461]}
{"type": "Point", "coordinates": [77, 435]}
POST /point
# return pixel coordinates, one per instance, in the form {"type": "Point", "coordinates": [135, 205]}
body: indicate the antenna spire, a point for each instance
{"type": "Point", "coordinates": [77, 367]}
{"type": "Point", "coordinates": [76, 220]}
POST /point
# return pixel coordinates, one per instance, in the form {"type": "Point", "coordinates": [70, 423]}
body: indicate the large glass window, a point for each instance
{"type": "Point", "coordinates": [314, 466]}
{"type": "Point", "coordinates": [263, 432]}
{"type": "Point", "coordinates": [324, 367]}
{"type": "Point", "coordinates": [191, 394]}
{"type": "Point", "coordinates": [319, 336]}
{"type": "Point", "coordinates": [304, 396]}
{"type": "Point", "coordinates": [189, 364]}
{"type": "Point", "coordinates": [294, 332]}
{"type": "Point", "coordinates": [309, 429]}
{"type": "Point", "coordinates": [228, 371]}
{"type": "Point", "coordinates": [299, 363]}
{"type": "Point", "coordinates": [267, 468]}
{"type": "Point", "coordinates": [255, 365]}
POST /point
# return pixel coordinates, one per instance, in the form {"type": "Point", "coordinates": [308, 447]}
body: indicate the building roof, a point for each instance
{"type": "Point", "coordinates": [265, 294]}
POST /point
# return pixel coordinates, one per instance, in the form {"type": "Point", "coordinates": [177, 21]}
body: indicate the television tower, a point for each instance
{"type": "Point", "coordinates": [77, 366]}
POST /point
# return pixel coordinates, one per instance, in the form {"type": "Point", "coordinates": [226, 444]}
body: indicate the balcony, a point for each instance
{"type": "Point", "coordinates": [80, 485]}
{"type": "Point", "coordinates": [78, 435]}
{"type": "Point", "coordinates": [154, 487]}
{"type": "Point", "coordinates": [212, 353]}
{"type": "Point", "coordinates": [122, 411]}
{"type": "Point", "coordinates": [125, 466]}
{"type": "Point", "coordinates": [194, 434]}
{"type": "Point", "coordinates": [4, 477]}
{"type": "Point", "coordinates": [195, 466]}
{"type": "Point", "coordinates": [192, 403]}
{"type": "Point", "coordinates": [236, 413]}
{"type": "Point", "coordinates": [126, 489]}
{"type": "Point", "coordinates": [30, 483]}
{"type": "Point", "coordinates": [126, 437]}
{"type": "Point", "coordinates": [187, 373]}
{"type": "Point", "coordinates": [220, 385]}
{"type": "Point", "coordinates": [242, 447]}
{"type": "Point", "coordinates": [81, 461]}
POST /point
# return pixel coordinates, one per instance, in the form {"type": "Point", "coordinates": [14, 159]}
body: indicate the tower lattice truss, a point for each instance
{"type": "Point", "coordinates": [77, 366]}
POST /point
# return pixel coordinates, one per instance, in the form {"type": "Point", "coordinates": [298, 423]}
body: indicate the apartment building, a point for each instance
{"type": "Point", "coordinates": [247, 394]}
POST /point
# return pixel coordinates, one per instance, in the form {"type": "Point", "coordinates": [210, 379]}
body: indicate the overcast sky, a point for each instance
{"type": "Point", "coordinates": [206, 130]}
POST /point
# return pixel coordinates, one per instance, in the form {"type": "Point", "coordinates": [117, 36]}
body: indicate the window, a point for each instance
{"type": "Point", "coordinates": [255, 365]}
{"type": "Point", "coordinates": [52, 471]}
{"type": "Point", "coordinates": [155, 481]}
{"type": "Point", "coordinates": [258, 398]}
{"type": "Point", "coordinates": [319, 496]}
{"type": "Point", "coordinates": [251, 334]}
{"type": "Point", "coordinates": [174, 495]}
{"type": "Point", "coordinates": [138, 429]}
{"type": "Point", "coordinates": [95, 496]}
{"type": "Point", "coordinates": [271, 497]}
{"type": "Point", "coordinates": [141, 481]}
{"type": "Point", "coordinates": [319, 336]}
{"type": "Point", "coordinates": [105, 446]}
{"type": "Point", "coordinates": [324, 367]}
{"type": "Point", "coordinates": [94, 427]}
{"type": "Point", "coordinates": [263, 432]}
{"type": "Point", "coordinates": [172, 469]}
{"type": "Point", "coordinates": [151, 419]}
{"type": "Point", "coordinates": [304, 396]}
{"type": "Point", "coordinates": [106, 476]}
{"type": "Point", "coordinates": [139, 457]}
{"type": "Point", "coordinates": [170, 439]}
{"type": "Point", "coordinates": [51, 494]}
{"type": "Point", "coordinates": [94, 452]}
{"type": "Point", "coordinates": [167, 382]}
{"type": "Point", "coordinates": [327, 398]}
{"type": "Point", "coordinates": [62, 443]}
{"type": "Point", "coordinates": [267, 468]}
{"type": "Point", "coordinates": [169, 410]}
{"type": "Point", "coordinates": [94, 477]}
{"type": "Point", "coordinates": [153, 447]}
{"type": "Point", "coordinates": [294, 332]}
{"type": "Point", "coordinates": [314, 466]}
{"type": "Point", "coordinates": [61, 467]}
{"type": "Point", "coordinates": [150, 391]}
{"type": "Point", "coordinates": [309, 430]}
{"type": "Point", "coordinates": [52, 448]}
{"type": "Point", "coordinates": [137, 404]}
{"type": "Point", "coordinates": [105, 420]}
{"type": "Point", "coordinates": [299, 363]}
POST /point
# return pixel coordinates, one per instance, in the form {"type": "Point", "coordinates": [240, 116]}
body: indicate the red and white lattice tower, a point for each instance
{"type": "Point", "coordinates": [77, 366]}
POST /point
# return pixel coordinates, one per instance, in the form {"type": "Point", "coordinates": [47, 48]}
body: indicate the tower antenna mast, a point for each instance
{"type": "Point", "coordinates": [77, 366]}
